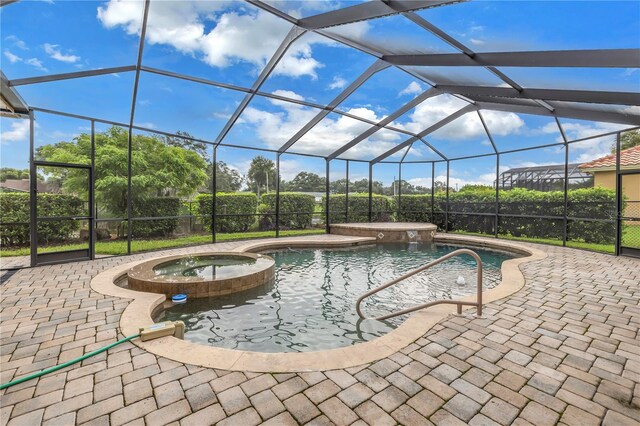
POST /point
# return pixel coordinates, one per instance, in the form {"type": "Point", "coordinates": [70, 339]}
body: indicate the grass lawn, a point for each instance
{"type": "Point", "coordinates": [120, 246]}
{"type": "Point", "coordinates": [630, 237]}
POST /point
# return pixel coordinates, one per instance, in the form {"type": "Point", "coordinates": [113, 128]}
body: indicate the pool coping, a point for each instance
{"type": "Point", "coordinates": [139, 314]}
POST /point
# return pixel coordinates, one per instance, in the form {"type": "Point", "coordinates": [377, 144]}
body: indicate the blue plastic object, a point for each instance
{"type": "Point", "coordinates": [179, 298]}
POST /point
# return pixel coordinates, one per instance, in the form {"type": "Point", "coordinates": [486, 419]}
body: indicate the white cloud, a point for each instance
{"type": "Point", "coordinates": [20, 44]}
{"type": "Point", "coordinates": [35, 62]}
{"type": "Point", "coordinates": [19, 132]}
{"type": "Point", "coordinates": [241, 35]}
{"type": "Point", "coordinates": [413, 88]}
{"type": "Point", "coordinates": [337, 83]}
{"type": "Point", "coordinates": [582, 152]}
{"type": "Point", "coordinates": [11, 57]}
{"type": "Point", "coordinates": [54, 52]}
{"type": "Point", "coordinates": [476, 42]}
{"type": "Point", "coordinates": [274, 128]}
{"type": "Point", "coordinates": [468, 126]}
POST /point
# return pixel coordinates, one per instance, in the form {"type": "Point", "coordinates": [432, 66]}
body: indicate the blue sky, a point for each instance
{"type": "Point", "coordinates": [230, 42]}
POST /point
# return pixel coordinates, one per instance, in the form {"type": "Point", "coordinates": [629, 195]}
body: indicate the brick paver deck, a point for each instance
{"type": "Point", "coordinates": [565, 349]}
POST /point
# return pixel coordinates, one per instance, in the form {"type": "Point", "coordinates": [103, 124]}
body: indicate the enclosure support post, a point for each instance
{"type": "Point", "coordinates": [370, 191]}
{"type": "Point", "coordinates": [214, 191]}
{"type": "Point", "coordinates": [93, 213]}
{"type": "Point", "coordinates": [129, 207]}
{"type": "Point", "coordinates": [446, 210]}
{"type": "Point", "coordinates": [277, 195]}
{"type": "Point", "coordinates": [497, 206]}
{"type": "Point", "coordinates": [433, 191]}
{"type": "Point", "coordinates": [618, 197]}
{"type": "Point", "coordinates": [33, 197]}
{"type": "Point", "coordinates": [565, 185]}
{"type": "Point", "coordinates": [346, 196]}
{"type": "Point", "coordinates": [399, 187]}
{"type": "Point", "coordinates": [565, 222]}
{"type": "Point", "coordinates": [327, 229]}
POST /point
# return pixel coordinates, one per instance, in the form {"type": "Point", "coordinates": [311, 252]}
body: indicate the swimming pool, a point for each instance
{"type": "Point", "coordinates": [311, 303]}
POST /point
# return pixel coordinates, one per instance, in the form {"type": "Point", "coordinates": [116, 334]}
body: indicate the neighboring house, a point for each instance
{"type": "Point", "coordinates": [604, 174]}
{"type": "Point", "coordinates": [22, 185]}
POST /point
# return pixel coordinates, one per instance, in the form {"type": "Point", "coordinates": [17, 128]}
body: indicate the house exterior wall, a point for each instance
{"type": "Point", "coordinates": [630, 188]}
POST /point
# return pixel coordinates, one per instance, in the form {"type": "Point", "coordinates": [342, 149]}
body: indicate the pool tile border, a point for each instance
{"type": "Point", "coordinates": [139, 314]}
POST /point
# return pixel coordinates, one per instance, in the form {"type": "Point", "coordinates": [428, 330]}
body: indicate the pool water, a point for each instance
{"type": "Point", "coordinates": [311, 304]}
{"type": "Point", "coordinates": [210, 267]}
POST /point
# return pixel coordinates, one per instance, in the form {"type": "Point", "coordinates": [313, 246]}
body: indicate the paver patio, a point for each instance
{"type": "Point", "coordinates": [565, 349]}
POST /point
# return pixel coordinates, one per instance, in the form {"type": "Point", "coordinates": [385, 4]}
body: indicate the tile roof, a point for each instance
{"type": "Point", "coordinates": [628, 157]}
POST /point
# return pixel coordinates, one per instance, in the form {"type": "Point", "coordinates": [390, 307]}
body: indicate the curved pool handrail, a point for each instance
{"type": "Point", "coordinates": [477, 303]}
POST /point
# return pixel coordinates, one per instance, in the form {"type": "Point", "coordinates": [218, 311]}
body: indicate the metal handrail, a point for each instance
{"type": "Point", "coordinates": [477, 303]}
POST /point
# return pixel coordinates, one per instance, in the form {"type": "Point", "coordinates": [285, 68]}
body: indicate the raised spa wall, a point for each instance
{"type": "Point", "coordinates": [388, 232]}
{"type": "Point", "coordinates": [143, 278]}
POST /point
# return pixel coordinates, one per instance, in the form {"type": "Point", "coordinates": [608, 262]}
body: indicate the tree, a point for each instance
{"type": "Point", "coordinates": [261, 175]}
{"type": "Point", "coordinates": [627, 140]}
{"type": "Point", "coordinates": [158, 169]}
{"type": "Point", "coordinates": [362, 185]}
{"type": "Point", "coordinates": [227, 179]}
{"type": "Point", "coordinates": [305, 182]}
{"type": "Point", "coordinates": [10, 173]}
{"type": "Point", "coordinates": [185, 140]}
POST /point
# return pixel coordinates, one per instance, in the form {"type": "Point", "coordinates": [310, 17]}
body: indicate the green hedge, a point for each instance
{"type": "Point", "coordinates": [591, 203]}
{"type": "Point", "coordinates": [14, 207]}
{"type": "Point", "coordinates": [296, 210]}
{"type": "Point", "coordinates": [382, 208]}
{"type": "Point", "coordinates": [241, 203]}
{"type": "Point", "coordinates": [155, 207]}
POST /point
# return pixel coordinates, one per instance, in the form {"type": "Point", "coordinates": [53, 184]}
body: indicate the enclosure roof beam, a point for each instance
{"type": "Point", "coordinates": [339, 39]}
{"type": "Point", "coordinates": [419, 20]}
{"type": "Point", "coordinates": [596, 58]}
{"type": "Point", "coordinates": [433, 148]}
{"type": "Point", "coordinates": [373, 69]}
{"type": "Point", "coordinates": [382, 123]}
{"type": "Point", "coordinates": [291, 37]}
{"type": "Point", "coordinates": [4, 3]}
{"type": "Point", "coordinates": [143, 31]}
{"type": "Point", "coordinates": [486, 129]}
{"type": "Point", "coordinates": [425, 132]}
{"type": "Point", "coordinates": [70, 75]}
{"type": "Point", "coordinates": [367, 10]}
{"type": "Point", "coordinates": [264, 94]}
{"type": "Point", "coordinates": [585, 96]}
{"type": "Point", "coordinates": [576, 113]}
{"type": "Point", "coordinates": [564, 136]}
{"type": "Point", "coordinates": [274, 11]}
{"type": "Point", "coordinates": [406, 152]}
{"type": "Point", "coordinates": [15, 103]}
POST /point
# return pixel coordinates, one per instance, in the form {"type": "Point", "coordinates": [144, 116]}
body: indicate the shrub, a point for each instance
{"type": "Point", "coordinates": [381, 208]}
{"type": "Point", "coordinates": [415, 208]}
{"type": "Point", "coordinates": [155, 207]}
{"type": "Point", "coordinates": [14, 207]}
{"type": "Point", "coordinates": [296, 210]}
{"type": "Point", "coordinates": [228, 203]}
{"type": "Point", "coordinates": [591, 203]}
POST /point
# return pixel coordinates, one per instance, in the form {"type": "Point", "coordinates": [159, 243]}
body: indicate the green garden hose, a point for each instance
{"type": "Point", "coordinates": [66, 364]}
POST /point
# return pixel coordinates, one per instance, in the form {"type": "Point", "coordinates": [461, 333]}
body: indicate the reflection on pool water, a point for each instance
{"type": "Point", "coordinates": [311, 305]}
{"type": "Point", "coordinates": [210, 267]}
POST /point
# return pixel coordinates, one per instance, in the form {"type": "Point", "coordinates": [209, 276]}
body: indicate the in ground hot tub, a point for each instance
{"type": "Point", "coordinates": [388, 232]}
{"type": "Point", "coordinates": [202, 274]}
